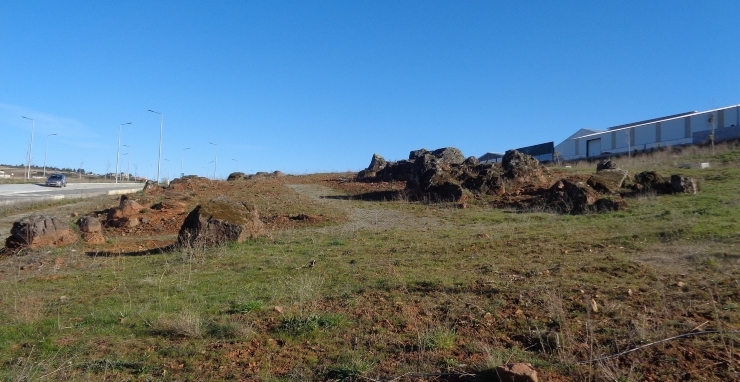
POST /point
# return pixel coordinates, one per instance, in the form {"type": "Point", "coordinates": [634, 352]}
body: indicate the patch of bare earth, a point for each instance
{"type": "Point", "coordinates": [361, 218]}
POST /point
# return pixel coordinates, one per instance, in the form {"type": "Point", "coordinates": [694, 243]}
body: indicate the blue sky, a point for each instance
{"type": "Point", "coordinates": [319, 86]}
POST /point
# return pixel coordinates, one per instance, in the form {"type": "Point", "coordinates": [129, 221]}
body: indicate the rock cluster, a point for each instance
{"type": "Point", "coordinates": [445, 175]}
{"type": "Point", "coordinates": [439, 175]}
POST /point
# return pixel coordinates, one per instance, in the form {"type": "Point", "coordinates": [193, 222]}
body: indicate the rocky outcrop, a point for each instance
{"type": "Point", "coordinates": [440, 175]}
{"type": "Point", "coordinates": [444, 175]}
{"type": "Point", "coordinates": [220, 221]}
{"type": "Point", "coordinates": [236, 176]}
{"type": "Point", "coordinates": [431, 178]}
{"type": "Point", "coordinates": [521, 166]}
{"type": "Point", "coordinates": [189, 183]}
{"type": "Point", "coordinates": [37, 231]}
{"type": "Point", "coordinates": [377, 163]}
{"type": "Point", "coordinates": [685, 185]}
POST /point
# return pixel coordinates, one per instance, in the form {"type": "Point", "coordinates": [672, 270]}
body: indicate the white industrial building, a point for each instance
{"type": "Point", "coordinates": [674, 130]}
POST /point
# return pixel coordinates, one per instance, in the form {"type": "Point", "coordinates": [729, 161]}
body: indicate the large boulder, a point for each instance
{"type": "Point", "coordinates": [417, 154]}
{"type": "Point", "coordinates": [682, 184]}
{"type": "Point", "coordinates": [652, 181]}
{"type": "Point", "coordinates": [189, 183]}
{"type": "Point", "coordinates": [38, 231]}
{"type": "Point", "coordinates": [449, 155]}
{"type": "Point", "coordinates": [606, 164]}
{"type": "Point", "coordinates": [236, 176]}
{"type": "Point", "coordinates": [608, 180]}
{"type": "Point", "coordinates": [89, 224]}
{"type": "Point", "coordinates": [431, 178]}
{"type": "Point", "coordinates": [220, 221]}
{"type": "Point", "coordinates": [570, 197]}
{"type": "Point", "coordinates": [484, 179]}
{"type": "Point", "coordinates": [520, 166]}
{"type": "Point", "coordinates": [126, 208]}
{"type": "Point", "coordinates": [396, 171]}
{"type": "Point", "coordinates": [377, 163]}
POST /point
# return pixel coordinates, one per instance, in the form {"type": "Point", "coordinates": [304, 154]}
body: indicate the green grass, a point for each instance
{"type": "Point", "coordinates": [395, 298]}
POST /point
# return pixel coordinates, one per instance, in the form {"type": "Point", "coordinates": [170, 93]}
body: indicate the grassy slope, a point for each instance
{"type": "Point", "coordinates": [401, 298]}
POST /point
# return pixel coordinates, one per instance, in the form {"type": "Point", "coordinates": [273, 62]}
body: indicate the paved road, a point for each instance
{"type": "Point", "coordinates": [13, 193]}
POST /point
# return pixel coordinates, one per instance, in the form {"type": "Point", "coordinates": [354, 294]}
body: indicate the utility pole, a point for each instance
{"type": "Point", "coordinates": [159, 162]}
{"type": "Point", "coordinates": [30, 147]}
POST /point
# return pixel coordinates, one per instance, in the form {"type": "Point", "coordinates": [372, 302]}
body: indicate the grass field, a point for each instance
{"type": "Point", "coordinates": [398, 289]}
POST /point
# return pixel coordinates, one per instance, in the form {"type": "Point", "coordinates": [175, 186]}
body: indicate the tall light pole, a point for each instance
{"type": "Point", "coordinates": [46, 151]}
{"type": "Point", "coordinates": [159, 161]}
{"type": "Point", "coordinates": [30, 150]}
{"type": "Point", "coordinates": [168, 169]}
{"type": "Point", "coordinates": [118, 153]}
{"type": "Point", "coordinates": [128, 167]}
{"type": "Point", "coordinates": [181, 156]}
{"type": "Point", "coordinates": [215, 160]}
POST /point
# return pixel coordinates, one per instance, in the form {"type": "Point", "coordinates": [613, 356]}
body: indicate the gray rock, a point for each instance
{"type": "Point", "coordinates": [683, 184]}
{"type": "Point", "coordinates": [606, 164]}
{"type": "Point", "coordinates": [220, 221]}
{"type": "Point", "coordinates": [518, 165]}
{"type": "Point", "coordinates": [449, 155]}
{"type": "Point", "coordinates": [38, 231]}
{"type": "Point", "coordinates": [89, 224]}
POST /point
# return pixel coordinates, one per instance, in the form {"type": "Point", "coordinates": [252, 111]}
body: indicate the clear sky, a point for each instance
{"type": "Point", "coordinates": [319, 86]}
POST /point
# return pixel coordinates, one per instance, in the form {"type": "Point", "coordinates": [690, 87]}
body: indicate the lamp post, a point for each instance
{"type": "Point", "coordinates": [118, 153]}
{"type": "Point", "coordinates": [168, 170]}
{"type": "Point", "coordinates": [159, 161]}
{"type": "Point", "coordinates": [46, 151]}
{"type": "Point", "coordinates": [181, 156]}
{"type": "Point", "coordinates": [215, 160]}
{"type": "Point", "coordinates": [30, 150]}
{"type": "Point", "coordinates": [128, 166]}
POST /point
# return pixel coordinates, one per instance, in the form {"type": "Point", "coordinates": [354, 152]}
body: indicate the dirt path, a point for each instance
{"type": "Point", "coordinates": [365, 218]}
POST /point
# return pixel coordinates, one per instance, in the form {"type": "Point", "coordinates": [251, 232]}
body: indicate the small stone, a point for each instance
{"type": "Point", "coordinates": [629, 292]}
{"type": "Point", "coordinates": [517, 372]}
{"type": "Point", "coordinates": [519, 312]}
{"type": "Point", "coordinates": [594, 306]}
{"type": "Point", "coordinates": [680, 284]}
{"type": "Point", "coordinates": [278, 309]}
{"type": "Point", "coordinates": [483, 236]}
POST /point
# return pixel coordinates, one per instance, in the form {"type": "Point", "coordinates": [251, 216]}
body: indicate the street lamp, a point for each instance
{"type": "Point", "coordinates": [181, 156]}
{"type": "Point", "coordinates": [30, 151]}
{"type": "Point", "coordinates": [118, 153]}
{"type": "Point", "coordinates": [45, 151]}
{"type": "Point", "coordinates": [168, 170]}
{"type": "Point", "coordinates": [128, 166]}
{"type": "Point", "coordinates": [215, 160]}
{"type": "Point", "coordinates": [161, 122]}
